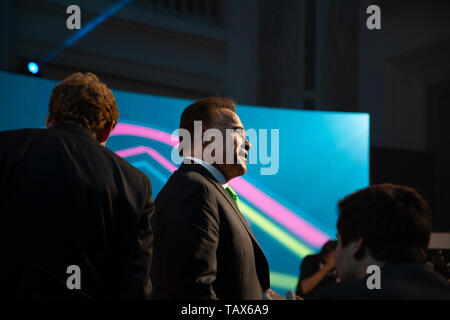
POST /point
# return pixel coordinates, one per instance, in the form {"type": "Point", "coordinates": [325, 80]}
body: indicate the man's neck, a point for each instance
{"type": "Point", "coordinates": [365, 263]}
{"type": "Point", "coordinates": [212, 168]}
{"type": "Point", "coordinates": [51, 125]}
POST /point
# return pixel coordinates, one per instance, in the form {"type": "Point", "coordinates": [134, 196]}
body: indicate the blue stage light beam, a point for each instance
{"type": "Point", "coordinates": [91, 25]}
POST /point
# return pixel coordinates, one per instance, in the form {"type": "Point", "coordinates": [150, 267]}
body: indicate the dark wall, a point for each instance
{"type": "Point", "coordinates": [416, 169]}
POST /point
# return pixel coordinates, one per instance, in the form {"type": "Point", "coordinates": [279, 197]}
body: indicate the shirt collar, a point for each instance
{"type": "Point", "coordinates": [75, 127]}
{"type": "Point", "coordinates": [211, 169]}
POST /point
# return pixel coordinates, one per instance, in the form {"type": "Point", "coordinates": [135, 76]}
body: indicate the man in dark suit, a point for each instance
{"type": "Point", "coordinates": [386, 226]}
{"type": "Point", "coordinates": [204, 248]}
{"type": "Point", "coordinates": [74, 215]}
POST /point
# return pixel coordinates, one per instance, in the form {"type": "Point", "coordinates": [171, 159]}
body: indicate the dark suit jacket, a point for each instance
{"type": "Point", "coordinates": [66, 200]}
{"type": "Point", "coordinates": [399, 281]}
{"type": "Point", "coordinates": [204, 248]}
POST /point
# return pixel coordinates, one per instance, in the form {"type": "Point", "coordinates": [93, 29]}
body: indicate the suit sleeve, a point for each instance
{"type": "Point", "coordinates": [192, 240]}
{"type": "Point", "coordinates": [136, 282]}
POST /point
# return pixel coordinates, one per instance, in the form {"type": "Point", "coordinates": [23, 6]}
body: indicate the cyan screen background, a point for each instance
{"type": "Point", "coordinates": [323, 157]}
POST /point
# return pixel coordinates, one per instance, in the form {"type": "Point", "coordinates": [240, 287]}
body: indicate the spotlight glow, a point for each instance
{"type": "Point", "coordinates": [33, 67]}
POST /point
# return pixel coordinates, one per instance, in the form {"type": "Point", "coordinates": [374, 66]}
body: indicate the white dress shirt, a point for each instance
{"type": "Point", "coordinates": [211, 169]}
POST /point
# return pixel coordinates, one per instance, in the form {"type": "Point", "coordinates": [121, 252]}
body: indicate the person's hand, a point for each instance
{"type": "Point", "coordinates": [330, 262]}
{"type": "Point", "coordinates": [290, 295]}
{"type": "Point", "coordinates": [273, 295]}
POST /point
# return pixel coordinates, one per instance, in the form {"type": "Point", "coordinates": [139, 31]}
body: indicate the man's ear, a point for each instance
{"type": "Point", "coordinates": [206, 143]}
{"type": "Point", "coordinates": [103, 135]}
{"type": "Point", "coordinates": [358, 248]}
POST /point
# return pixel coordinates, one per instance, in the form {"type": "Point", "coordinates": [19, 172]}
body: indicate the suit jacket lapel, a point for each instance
{"type": "Point", "coordinates": [199, 168]}
{"type": "Point", "coordinates": [265, 281]}
{"type": "Point", "coordinates": [236, 209]}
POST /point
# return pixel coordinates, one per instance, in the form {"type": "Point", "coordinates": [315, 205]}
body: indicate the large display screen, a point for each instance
{"type": "Point", "coordinates": [306, 162]}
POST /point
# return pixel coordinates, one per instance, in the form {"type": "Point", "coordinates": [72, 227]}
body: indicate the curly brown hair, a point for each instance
{"type": "Point", "coordinates": [83, 99]}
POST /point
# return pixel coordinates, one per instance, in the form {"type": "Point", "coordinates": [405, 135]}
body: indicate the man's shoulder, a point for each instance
{"type": "Point", "coordinates": [311, 258]}
{"type": "Point", "coordinates": [9, 134]}
{"type": "Point", "coordinates": [9, 138]}
{"type": "Point", "coordinates": [189, 181]}
{"type": "Point", "coordinates": [417, 280]}
{"type": "Point", "coordinates": [398, 281]}
{"type": "Point", "coordinates": [187, 184]}
{"type": "Point", "coordinates": [197, 178]}
{"type": "Point", "coordinates": [17, 139]}
{"type": "Point", "coordinates": [346, 290]}
{"type": "Point", "coordinates": [131, 171]}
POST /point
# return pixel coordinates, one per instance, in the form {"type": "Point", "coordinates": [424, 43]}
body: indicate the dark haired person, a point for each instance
{"type": "Point", "coordinates": [204, 248]}
{"type": "Point", "coordinates": [317, 270]}
{"type": "Point", "coordinates": [66, 200]}
{"type": "Point", "coordinates": [387, 226]}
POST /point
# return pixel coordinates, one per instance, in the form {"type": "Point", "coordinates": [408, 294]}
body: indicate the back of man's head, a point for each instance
{"type": "Point", "coordinates": [328, 247]}
{"type": "Point", "coordinates": [393, 221]}
{"type": "Point", "coordinates": [83, 99]}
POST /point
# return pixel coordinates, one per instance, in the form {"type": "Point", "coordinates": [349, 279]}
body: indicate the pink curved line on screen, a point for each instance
{"type": "Point", "coordinates": [127, 129]}
{"type": "Point", "coordinates": [279, 213]}
{"type": "Point", "coordinates": [255, 196]}
{"type": "Point", "coordinates": [151, 152]}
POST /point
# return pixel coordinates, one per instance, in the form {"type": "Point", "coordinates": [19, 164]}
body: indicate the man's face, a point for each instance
{"type": "Point", "coordinates": [346, 265]}
{"type": "Point", "coordinates": [235, 145]}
